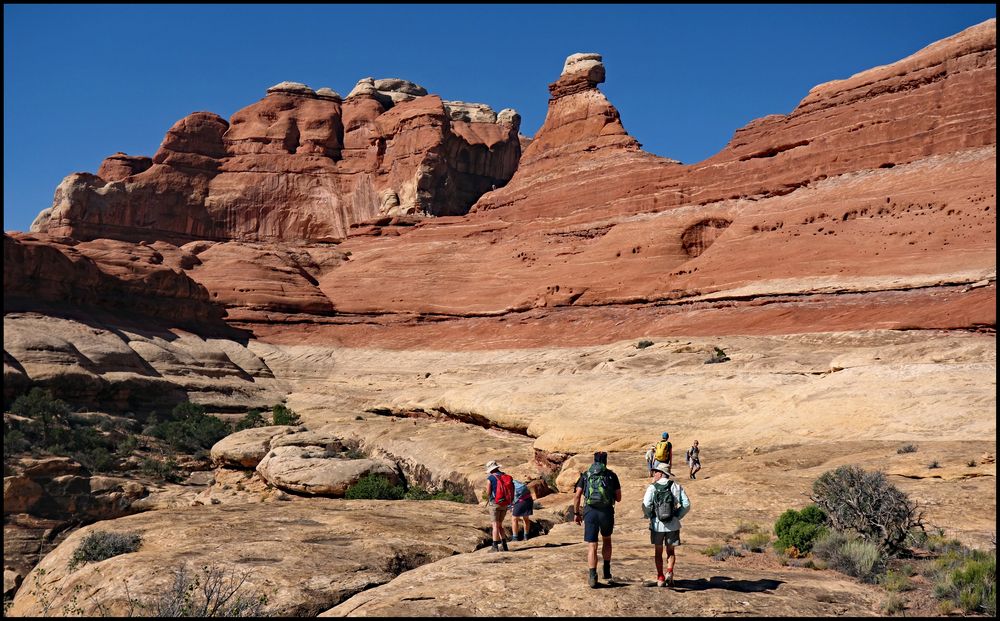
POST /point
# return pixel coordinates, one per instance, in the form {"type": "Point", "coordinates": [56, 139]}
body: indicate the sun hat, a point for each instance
{"type": "Point", "coordinates": [663, 468]}
{"type": "Point", "coordinates": [491, 466]}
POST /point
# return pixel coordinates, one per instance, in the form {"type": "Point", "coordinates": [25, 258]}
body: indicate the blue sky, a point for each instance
{"type": "Point", "coordinates": [84, 81]}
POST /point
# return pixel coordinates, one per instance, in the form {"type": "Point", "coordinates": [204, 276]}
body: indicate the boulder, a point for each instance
{"type": "Point", "coordinates": [311, 470]}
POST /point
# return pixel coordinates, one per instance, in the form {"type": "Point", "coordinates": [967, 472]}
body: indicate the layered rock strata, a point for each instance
{"type": "Point", "coordinates": [298, 165]}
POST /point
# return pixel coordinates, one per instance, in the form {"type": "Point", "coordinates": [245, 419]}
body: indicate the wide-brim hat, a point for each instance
{"type": "Point", "coordinates": [663, 468]}
{"type": "Point", "coordinates": [491, 466]}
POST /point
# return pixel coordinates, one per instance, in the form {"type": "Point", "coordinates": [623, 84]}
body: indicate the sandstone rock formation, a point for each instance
{"type": "Point", "coordinates": [318, 251]}
{"type": "Point", "coordinates": [298, 165]}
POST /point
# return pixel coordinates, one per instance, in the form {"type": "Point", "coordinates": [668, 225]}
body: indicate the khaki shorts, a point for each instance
{"type": "Point", "coordinates": [497, 513]}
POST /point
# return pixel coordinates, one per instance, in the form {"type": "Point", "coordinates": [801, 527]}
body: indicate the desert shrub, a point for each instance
{"type": "Point", "coordinates": [191, 429]}
{"type": "Point", "coordinates": [281, 415]}
{"type": "Point", "coordinates": [253, 418]}
{"type": "Point", "coordinates": [746, 527]}
{"type": "Point", "coordinates": [215, 593]}
{"type": "Point", "coordinates": [126, 446]}
{"type": "Point", "coordinates": [39, 405]}
{"type": "Point", "coordinates": [934, 464]}
{"type": "Point", "coordinates": [374, 486]}
{"type": "Point", "coordinates": [867, 504]}
{"type": "Point", "coordinates": [417, 493]}
{"type": "Point", "coordinates": [14, 441]}
{"type": "Point", "coordinates": [967, 579]}
{"type": "Point", "coordinates": [97, 459]}
{"type": "Point", "coordinates": [100, 545]}
{"type": "Point", "coordinates": [893, 604]}
{"type": "Point", "coordinates": [799, 529]}
{"type": "Point", "coordinates": [971, 463]}
{"type": "Point", "coordinates": [163, 470]}
{"type": "Point", "coordinates": [851, 555]}
{"type": "Point", "coordinates": [906, 448]}
{"type": "Point", "coordinates": [643, 344]}
{"type": "Point", "coordinates": [725, 552]}
{"type": "Point", "coordinates": [757, 542]}
{"type": "Point", "coordinates": [712, 549]}
{"type": "Point", "coordinates": [896, 581]}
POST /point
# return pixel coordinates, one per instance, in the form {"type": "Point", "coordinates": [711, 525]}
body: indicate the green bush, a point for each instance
{"type": "Point", "coordinates": [162, 470]}
{"type": "Point", "coordinates": [281, 415]}
{"type": "Point", "coordinates": [896, 581]}
{"type": "Point", "coordinates": [191, 430]}
{"type": "Point", "coordinates": [799, 529]}
{"type": "Point", "coordinates": [757, 542]}
{"type": "Point", "coordinates": [417, 493]}
{"type": "Point", "coordinates": [254, 418]}
{"type": "Point", "coordinates": [851, 555]}
{"type": "Point", "coordinates": [867, 504]}
{"type": "Point", "coordinates": [374, 486]}
{"type": "Point", "coordinates": [967, 579]}
{"type": "Point", "coordinates": [39, 405]}
{"type": "Point", "coordinates": [100, 545]}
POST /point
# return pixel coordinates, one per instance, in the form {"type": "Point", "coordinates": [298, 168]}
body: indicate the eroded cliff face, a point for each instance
{"type": "Point", "coordinates": [871, 205]}
{"type": "Point", "coordinates": [298, 165]}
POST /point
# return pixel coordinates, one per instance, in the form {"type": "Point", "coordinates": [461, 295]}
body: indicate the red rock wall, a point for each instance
{"type": "Point", "coordinates": [290, 167]}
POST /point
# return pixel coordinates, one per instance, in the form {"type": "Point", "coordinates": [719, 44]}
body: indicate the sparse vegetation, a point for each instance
{"type": "Point", "coordinates": [100, 545]}
{"type": "Point", "coordinates": [867, 504]}
{"type": "Point", "coordinates": [254, 418]}
{"type": "Point", "coordinates": [190, 429]}
{"type": "Point", "coordinates": [215, 593]}
{"type": "Point", "coordinates": [934, 464]}
{"type": "Point", "coordinates": [852, 555]}
{"type": "Point", "coordinates": [163, 470]}
{"type": "Point", "coordinates": [966, 579]}
{"type": "Point", "coordinates": [906, 448]}
{"type": "Point", "coordinates": [971, 463]}
{"type": "Point", "coordinates": [281, 415]}
{"type": "Point", "coordinates": [757, 542]}
{"type": "Point", "coordinates": [893, 604]}
{"type": "Point", "coordinates": [643, 344]}
{"type": "Point", "coordinates": [799, 529]}
{"type": "Point", "coordinates": [725, 552]}
{"type": "Point", "coordinates": [417, 493]}
{"type": "Point", "coordinates": [375, 486]}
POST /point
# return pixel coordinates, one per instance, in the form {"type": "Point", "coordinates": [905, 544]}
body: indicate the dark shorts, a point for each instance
{"type": "Point", "coordinates": [523, 508]}
{"type": "Point", "coordinates": [597, 520]}
{"type": "Point", "coordinates": [671, 538]}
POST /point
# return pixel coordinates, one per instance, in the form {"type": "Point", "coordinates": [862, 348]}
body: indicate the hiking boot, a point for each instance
{"type": "Point", "coordinates": [661, 581]}
{"type": "Point", "coordinates": [607, 570]}
{"type": "Point", "coordinates": [592, 580]}
{"type": "Point", "coordinates": [494, 547]}
{"type": "Point", "coordinates": [504, 544]}
{"type": "Point", "coordinates": [670, 578]}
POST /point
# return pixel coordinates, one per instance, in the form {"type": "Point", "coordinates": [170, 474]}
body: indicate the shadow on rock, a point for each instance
{"type": "Point", "coordinates": [727, 583]}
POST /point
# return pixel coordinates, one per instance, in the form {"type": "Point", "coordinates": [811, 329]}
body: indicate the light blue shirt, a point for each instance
{"type": "Point", "coordinates": [679, 493]}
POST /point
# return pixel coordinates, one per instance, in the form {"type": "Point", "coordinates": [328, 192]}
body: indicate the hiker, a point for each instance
{"type": "Point", "coordinates": [663, 451]}
{"type": "Point", "coordinates": [521, 511]}
{"type": "Point", "coordinates": [665, 503]}
{"type": "Point", "coordinates": [600, 489]}
{"type": "Point", "coordinates": [649, 458]}
{"type": "Point", "coordinates": [500, 495]}
{"type": "Point", "coordinates": [693, 457]}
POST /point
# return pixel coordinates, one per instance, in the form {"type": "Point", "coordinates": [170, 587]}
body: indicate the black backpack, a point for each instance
{"type": "Point", "coordinates": [597, 490]}
{"type": "Point", "coordinates": [664, 502]}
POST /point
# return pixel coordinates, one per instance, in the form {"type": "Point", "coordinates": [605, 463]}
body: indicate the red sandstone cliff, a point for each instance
{"type": "Point", "coordinates": [871, 205]}
{"type": "Point", "coordinates": [298, 165]}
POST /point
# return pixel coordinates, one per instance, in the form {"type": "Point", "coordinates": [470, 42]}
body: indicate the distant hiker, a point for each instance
{"type": "Point", "coordinates": [521, 511]}
{"type": "Point", "coordinates": [649, 458]}
{"type": "Point", "coordinates": [499, 495]}
{"type": "Point", "coordinates": [693, 458]}
{"type": "Point", "coordinates": [663, 452]}
{"type": "Point", "coordinates": [665, 503]}
{"type": "Point", "coordinates": [600, 489]}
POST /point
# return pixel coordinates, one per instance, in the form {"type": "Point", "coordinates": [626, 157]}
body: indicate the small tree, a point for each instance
{"type": "Point", "coordinates": [282, 415]}
{"type": "Point", "coordinates": [866, 503]}
{"type": "Point", "coordinates": [39, 405]}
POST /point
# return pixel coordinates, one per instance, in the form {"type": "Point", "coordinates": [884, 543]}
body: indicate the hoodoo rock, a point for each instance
{"type": "Point", "coordinates": [299, 165]}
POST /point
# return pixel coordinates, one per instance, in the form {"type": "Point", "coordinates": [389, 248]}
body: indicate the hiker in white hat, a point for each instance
{"type": "Point", "coordinates": [665, 503]}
